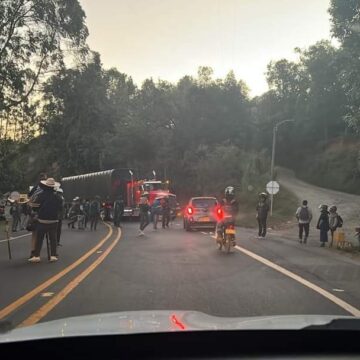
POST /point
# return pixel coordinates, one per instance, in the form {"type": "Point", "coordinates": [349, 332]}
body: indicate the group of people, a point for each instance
{"type": "Point", "coordinates": [159, 209]}
{"type": "Point", "coordinates": [329, 220]}
{"type": "Point", "coordinates": [84, 212]}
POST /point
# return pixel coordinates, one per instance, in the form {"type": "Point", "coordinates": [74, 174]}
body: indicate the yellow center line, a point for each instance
{"type": "Point", "coordinates": [47, 307]}
{"type": "Point", "coordinates": [28, 296]}
{"type": "Point", "coordinates": [349, 308]}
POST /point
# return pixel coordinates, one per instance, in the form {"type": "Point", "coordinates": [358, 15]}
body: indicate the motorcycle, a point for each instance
{"type": "Point", "coordinates": [228, 236]}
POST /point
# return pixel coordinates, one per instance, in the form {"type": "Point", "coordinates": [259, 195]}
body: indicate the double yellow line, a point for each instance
{"type": "Point", "coordinates": [40, 313]}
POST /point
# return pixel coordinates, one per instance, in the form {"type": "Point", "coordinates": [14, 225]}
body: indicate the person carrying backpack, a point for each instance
{"type": "Point", "coordinates": [323, 224]}
{"type": "Point", "coordinates": [335, 221]}
{"type": "Point", "coordinates": [304, 217]}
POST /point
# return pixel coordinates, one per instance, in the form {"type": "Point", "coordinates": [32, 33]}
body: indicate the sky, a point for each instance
{"type": "Point", "coordinates": [168, 39]}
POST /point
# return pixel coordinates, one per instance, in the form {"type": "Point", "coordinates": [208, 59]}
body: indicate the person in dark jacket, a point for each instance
{"type": "Point", "coordinates": [262, 210]}
{"type": "Point", "coordinates": [118, 211]}
{"type": "Point", "coordinates": [49, 206]}
{"type": "Point", "coordinates": [144, 213]}
{"type": "Point", "coordinates": [323, 224]}
{"type": "Point", "coordinates": [165, 207]}
{"type": "Point", "coordinates": [94, 213]}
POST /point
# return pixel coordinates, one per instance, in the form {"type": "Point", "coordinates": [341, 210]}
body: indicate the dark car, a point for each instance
{"type": "Point", "coordinates": [201, 213]}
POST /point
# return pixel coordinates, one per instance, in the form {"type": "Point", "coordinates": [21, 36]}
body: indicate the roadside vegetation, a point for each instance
{"type": "Point", "coordinates": [202, 133]}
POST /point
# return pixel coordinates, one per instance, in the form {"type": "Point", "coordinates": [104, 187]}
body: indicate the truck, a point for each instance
{"type": "Point", "coordinates": [110, 185]}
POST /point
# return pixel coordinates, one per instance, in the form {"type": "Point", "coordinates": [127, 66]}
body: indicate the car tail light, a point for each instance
{"type": "Point", "coordinates": [190, 210]}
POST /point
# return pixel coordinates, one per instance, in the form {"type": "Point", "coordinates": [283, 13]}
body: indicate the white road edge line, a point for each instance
{"type": "Point", "coordinates": [16, 237]}
{"type": "Point", "coordinates": [349, 308]}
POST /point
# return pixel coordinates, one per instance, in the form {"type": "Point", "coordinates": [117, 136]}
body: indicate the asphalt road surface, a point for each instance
{"type": "Point", "coordinates": [112, 270]}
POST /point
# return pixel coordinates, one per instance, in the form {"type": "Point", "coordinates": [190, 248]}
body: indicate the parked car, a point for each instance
{"type": "Point", "coordinates": [200, 213]}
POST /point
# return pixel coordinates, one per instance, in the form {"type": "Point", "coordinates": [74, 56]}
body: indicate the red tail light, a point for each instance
{"type": "Point", "coordinates": [190, 210]}
{"type": "Point", "coordinates": [219, 213]}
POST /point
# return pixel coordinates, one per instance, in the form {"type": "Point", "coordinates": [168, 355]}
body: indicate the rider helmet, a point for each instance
{"type": "Point", "coordinates": [229, 192]}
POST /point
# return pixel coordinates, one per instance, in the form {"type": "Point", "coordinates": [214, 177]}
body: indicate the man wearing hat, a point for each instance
{"type": "Point", "coordinates": [49, 206]}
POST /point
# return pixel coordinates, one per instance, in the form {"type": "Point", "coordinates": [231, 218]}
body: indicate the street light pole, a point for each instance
{"type": "Point", "coordinates": [275, 129]}
{"type": "Point", "coordinates": [132, 187]}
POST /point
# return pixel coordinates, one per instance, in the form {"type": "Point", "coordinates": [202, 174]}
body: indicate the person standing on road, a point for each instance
{"type": "Point", "coordinates": [86, 209]}
{"type": "Point", "coordinates": [49, 207]}
{"type": "Point", "coordinates": [335, 221]}
{"type": "Point", "coordinates": [94, 213]}
{"type": "Point", "coordinates": [323, 224]}
{"type": "Point", "coordinates": [25, 212]}
{"type": "Point", "coordinates": [304, 217]}
{"type": "Point", "coordinates": [156, 211]}
{"type": "Point", "coordinates": [262, 210]}
{"type": "Point", "coordinates": [32, 224]}
{"type": "Point", "coordinates": [59, 193]}
{"type": "Point", "coordinates": [74, 212]}
{"type": "Point", "coordinates": [118, 211]}
{"type": "Point", "coordinates": [165, 212]}
{"type": "Point", "coordinates": [15, 213]}
{"type": "Point", "coordinates": [144, 213]}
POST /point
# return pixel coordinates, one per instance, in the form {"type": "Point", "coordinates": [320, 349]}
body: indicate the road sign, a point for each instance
{"type": "Point", "coordinates": [272, 187]}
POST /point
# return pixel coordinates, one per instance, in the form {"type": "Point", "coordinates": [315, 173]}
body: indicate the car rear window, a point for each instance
{"type": "Point", "coordinates": [201, 203]}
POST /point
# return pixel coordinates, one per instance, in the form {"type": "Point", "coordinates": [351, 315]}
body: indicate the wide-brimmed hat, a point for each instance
{"type": "Point", "coordinates": [24, 200]}
{"type": "Point", "coordinates": [50, 182]}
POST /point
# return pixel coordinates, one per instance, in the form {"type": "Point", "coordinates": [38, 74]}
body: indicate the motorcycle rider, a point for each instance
{"type": "Point", "coordinates": [229, 209]}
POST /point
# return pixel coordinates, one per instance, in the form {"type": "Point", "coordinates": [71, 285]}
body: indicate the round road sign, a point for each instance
{"type": "Point", "coordinates": [272, 187]}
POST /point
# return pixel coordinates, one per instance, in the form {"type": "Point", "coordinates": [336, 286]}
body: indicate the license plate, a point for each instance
{"type": "Point", "coordinates": [230, 231]}
{"type": "Point", "coordinates": [205, 219]}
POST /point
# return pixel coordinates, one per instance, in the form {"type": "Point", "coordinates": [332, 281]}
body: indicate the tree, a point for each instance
{"type": "Point", "coordinates": [32, 36]}
{"type": "Point", "coordinates": [346, 28]}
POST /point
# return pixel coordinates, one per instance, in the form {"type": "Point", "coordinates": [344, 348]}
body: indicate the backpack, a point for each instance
{"type": "Point", "coordinates": [340, 221]}
{"type": "Point", "coordinates": [304, 214]}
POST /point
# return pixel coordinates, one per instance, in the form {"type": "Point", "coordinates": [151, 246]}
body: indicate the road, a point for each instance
{"type": "Point", "coordinates": [112, 270]}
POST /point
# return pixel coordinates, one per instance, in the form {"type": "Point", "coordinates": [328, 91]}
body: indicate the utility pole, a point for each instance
{"type": "Point", "coordinates": [275, 129]}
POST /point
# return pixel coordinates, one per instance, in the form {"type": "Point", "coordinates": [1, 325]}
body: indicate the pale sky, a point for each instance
{"type": "Point", "coordinates": [168, 39]}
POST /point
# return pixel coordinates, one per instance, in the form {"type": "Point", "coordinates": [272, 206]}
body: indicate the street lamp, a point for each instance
{"type": "Point", "coordinates": [275, 129]}
{"type": "Point", "coordinates": [132, 187]}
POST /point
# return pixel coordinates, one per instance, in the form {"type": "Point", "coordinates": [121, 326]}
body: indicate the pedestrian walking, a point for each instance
{"type": "Point", "coordinates": [144, 213]}
{"type": "Point", "coordinates": [323, 224]}
{"type": "Point", "coordinates": [304, 217]}
{"type": "Point", "coordinates": [49, 205]}
{"type": "Point", "coordinates": [118, 211]}
{"type": "Point", "coordinates": [165, 212]}
{"type": "Point", "coordinates": [335, 222]}
{"type": "Point", "coordinates": [59, 193]}
{"type": "Point", "coordinates": [156, 212]}
{"type": "Point", "coordinates": [94, 213]}
{"type": "Point", "coordinates": [15, 213]}
{"type": "Point", "coordinates": [262, 210]}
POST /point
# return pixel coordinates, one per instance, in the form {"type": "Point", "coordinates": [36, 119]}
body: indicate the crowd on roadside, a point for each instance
{"type": "Point", "coordinates": [329, 220]}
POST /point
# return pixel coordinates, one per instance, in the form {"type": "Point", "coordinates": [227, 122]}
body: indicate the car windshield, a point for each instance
{"type": "Point", "coordinates": [181, 164]}
{"type": "Point", "coordinates": [204, 203]}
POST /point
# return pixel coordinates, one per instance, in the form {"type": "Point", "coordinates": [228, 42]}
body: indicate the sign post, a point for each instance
{"type": "Point", "coordinates": [272, 187]}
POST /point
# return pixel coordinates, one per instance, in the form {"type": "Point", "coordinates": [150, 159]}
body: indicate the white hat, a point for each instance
{"type": "Point", "coordinates": [50, 182]}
